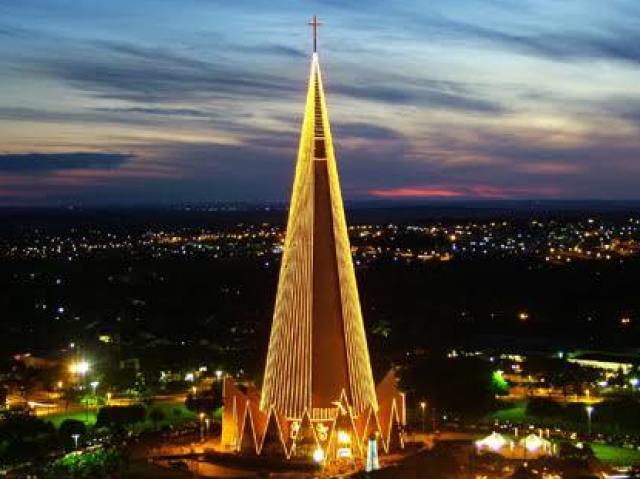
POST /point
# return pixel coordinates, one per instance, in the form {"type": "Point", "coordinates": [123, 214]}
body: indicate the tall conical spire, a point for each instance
{"type": "Point", "coordinates": [318, 351]}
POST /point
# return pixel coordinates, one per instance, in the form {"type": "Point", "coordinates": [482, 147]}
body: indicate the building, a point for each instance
{"type": "Point", "coordinates": [318, 398]}
{"type": "Point", "coordinates": [611, 363]}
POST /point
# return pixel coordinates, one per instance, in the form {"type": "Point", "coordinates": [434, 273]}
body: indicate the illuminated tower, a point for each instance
{"type": "Point", "coordinates": [318, 373]}
{"type": "Point", "coordinates": [318, 348]}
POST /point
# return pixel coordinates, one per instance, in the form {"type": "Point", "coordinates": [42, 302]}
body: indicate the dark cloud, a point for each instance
{"type": "Point", "coordinates": [430, 97]}
{"type": "Point", "coordinates": [153, 75]}
{"type": "Point", "coordinates": [617, 44]}
{"type": "Point", "coordinates": [286, 51]}
{"type": "Point", "coordinates": [627, 108]}
{"type": "Point", "coordinates": [158, 111]}
{"type": "Point", "coordinates": [270, 49]}
{"type": "Point", "coordinates": [51, 162]}
{"type": "Point", "coordinates": [367, 131]}
{"type": "Point", "coordinates": [159, 75]}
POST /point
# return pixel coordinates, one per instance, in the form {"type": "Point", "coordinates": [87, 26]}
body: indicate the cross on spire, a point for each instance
{"type": "Point", "coordinates": [314, 23]}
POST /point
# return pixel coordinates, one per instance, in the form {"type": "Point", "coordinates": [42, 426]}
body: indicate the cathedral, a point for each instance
{"type": "Point", "coordinates": [318, 399]}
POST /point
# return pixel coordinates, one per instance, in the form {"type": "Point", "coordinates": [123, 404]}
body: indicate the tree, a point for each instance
{"type": "Point", "coordinates": [156, 415]}
{"type": "Point", "coordinates": [544, 408]}
{"type": "Point", "coordinates": [208, 402]}
{"type": "Point", "coordinates": [562, 374]}
{"type": "Point", "coordinates": [457, 385]}
{"type": "Point", "coordinates": [69, 428]}
{"type": "Point", "coordinates": [101, 463]}
{"type": "Point", "coordinates": [120, 417]}
{"type": "Point", "coordinates": [25, 438]}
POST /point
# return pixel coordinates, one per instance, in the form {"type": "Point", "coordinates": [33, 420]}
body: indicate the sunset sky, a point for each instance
{"type": "Point", "coordinates": [164, 101]}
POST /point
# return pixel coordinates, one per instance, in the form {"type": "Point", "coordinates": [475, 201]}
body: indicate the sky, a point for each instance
{"type": "Point", "coordinates": [171, 101]}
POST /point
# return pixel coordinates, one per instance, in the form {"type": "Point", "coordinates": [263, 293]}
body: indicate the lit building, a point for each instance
{"type": "Point", "coordinates": [318, 393]}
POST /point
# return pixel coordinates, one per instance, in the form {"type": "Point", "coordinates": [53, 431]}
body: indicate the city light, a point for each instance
{"type": "Point", "coordinates": [589, 410]}
{"type": "Point", "coordinates": [318, 455]}
{"type": "Point", "coordinates": [532, 443]}
{"type": "Point", "coordinates": [344, 437]}
{"type": "Point", "coordinates": [423, 407]}
{"type": "Point", "coordinates": [80, 367]}
{"type": "Point", "coordinates": [494, 442]}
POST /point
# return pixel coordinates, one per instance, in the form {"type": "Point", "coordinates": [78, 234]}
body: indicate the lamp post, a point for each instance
{"type": "Point", "coordinates": [201, 427]}
{"type": "Point", "coordinates": [94, 386]}
{"type": "Point", "coordinates": [589, 410]}
{"type": "Point", "coordinates": [75, 439]}
{"type": "Point", "coordinates": [423, 407]}
{"type": "Point", "coordinates": [81, 368]}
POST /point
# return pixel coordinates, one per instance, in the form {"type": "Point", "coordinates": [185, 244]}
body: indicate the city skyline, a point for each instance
{"type": "Point", "coordinates": [148, 102]}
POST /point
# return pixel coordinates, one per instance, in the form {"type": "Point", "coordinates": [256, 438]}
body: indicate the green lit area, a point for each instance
{"type": "Point", "coordinates": [499, 383]}
{"type": "Point", "coordinates": [616, 456]}
{"type": "Point", "coordinates": [167, 413]}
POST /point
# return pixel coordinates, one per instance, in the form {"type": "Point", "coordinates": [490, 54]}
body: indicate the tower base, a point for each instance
{"type": "Point", "coordinates": [336, 435]}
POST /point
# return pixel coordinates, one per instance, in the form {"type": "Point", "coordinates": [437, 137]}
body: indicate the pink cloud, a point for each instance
{"type": "Point", "coordinates": [548, 168]}
{"type": "Point", "coordinates": [455, 191]}
{"type": "Point", "coordinates": [416, 192]}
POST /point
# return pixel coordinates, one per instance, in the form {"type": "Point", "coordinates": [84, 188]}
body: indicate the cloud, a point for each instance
{"type": "Point", "coordinates": [549, 168]}
{"type": "Point", "coordinates": [367, 131]}
{"type": "Point", "coordinates": [621, 43]}
{"type": "Point", "coordinates": [158, 111]}
{"type": "Point", "coordinates": [270, 49]}
{"type": "Point", "coordinates": [35, 163]}
{"type": "Point", "coordinates": [463, 191]}
{"type": "Point", "coordinates": [156, 75]}
{"type": "Point", "coordinates": [426, 96]}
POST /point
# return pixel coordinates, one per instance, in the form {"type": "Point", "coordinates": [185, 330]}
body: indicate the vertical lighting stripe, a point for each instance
{"type": "Point", "coordinates": [287, 386]}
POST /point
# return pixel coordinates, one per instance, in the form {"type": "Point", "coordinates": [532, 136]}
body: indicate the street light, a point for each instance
{"type": "Point", "coordinates": [589, 410]}
{"type": "Point", "coordinates": [79, 367]}
{"type": "Point", "coordinates": [108, 398]}
{"type": "Point", "coordinates": [201, 427]}
{"type": "Point", "coordinates": [75, 439]}
{"type": "Point", "coordinates": [423, 407]}
{"type": "Point", "coordinates": [94, 386]}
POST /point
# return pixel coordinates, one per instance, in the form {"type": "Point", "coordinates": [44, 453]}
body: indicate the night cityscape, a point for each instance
{"type": "Point", "coordinates": [246, 241]}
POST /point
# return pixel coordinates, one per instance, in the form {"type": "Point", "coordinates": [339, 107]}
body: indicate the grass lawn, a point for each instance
{"type": "Point", "coordinates": [617, 456]}
{"type": "Point", "coordinates": [516, 413]}
{"type": "Point", "coordinates": [58, 418]}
